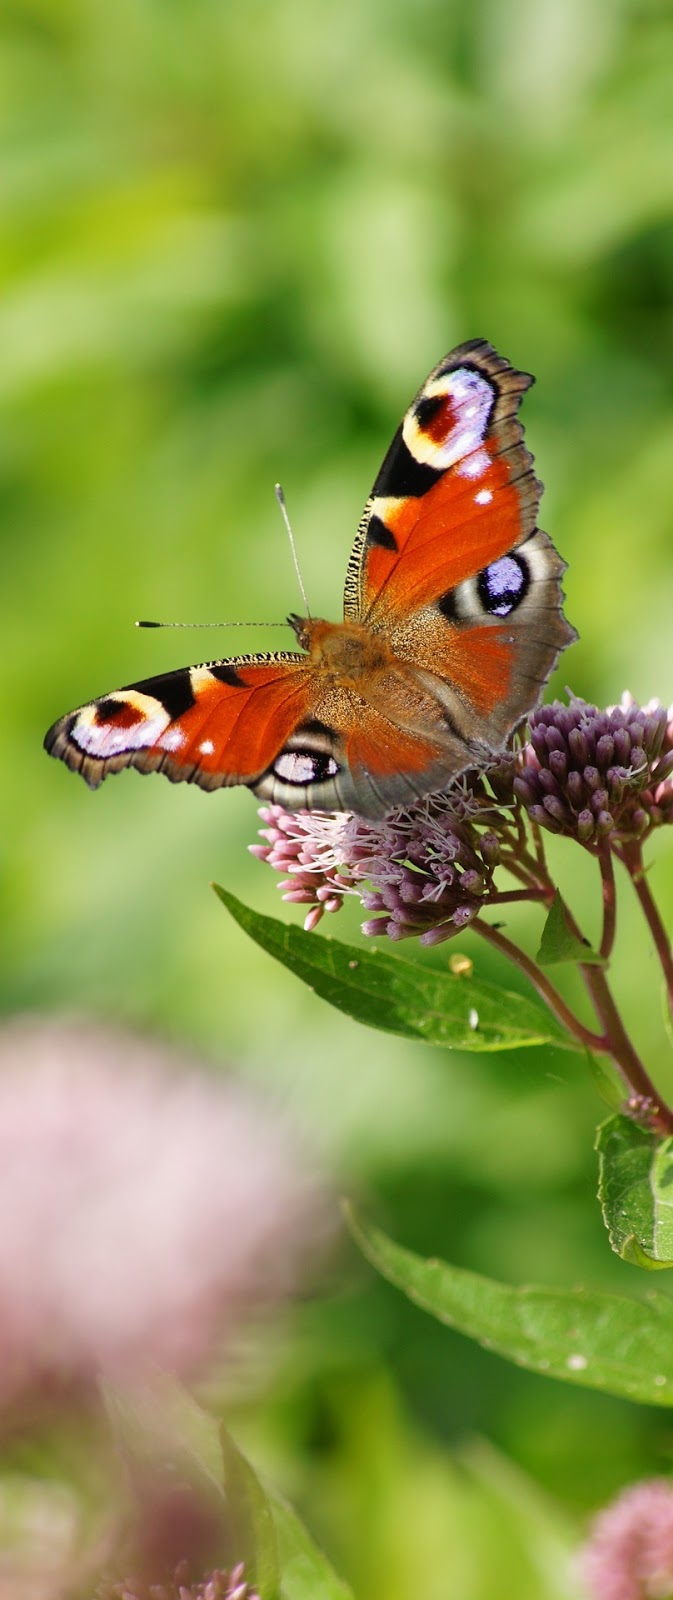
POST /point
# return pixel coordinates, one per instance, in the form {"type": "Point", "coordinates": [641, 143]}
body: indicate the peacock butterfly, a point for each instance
{"type": "Point", "coordinates": [452, 624]}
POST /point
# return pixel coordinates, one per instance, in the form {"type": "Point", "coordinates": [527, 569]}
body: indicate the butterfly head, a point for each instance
{"type": "Point", "coordinates": [301, 627]}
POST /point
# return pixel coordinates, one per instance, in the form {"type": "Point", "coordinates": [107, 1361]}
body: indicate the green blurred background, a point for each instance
{"type": "Point", "coordinates": [234, 240]}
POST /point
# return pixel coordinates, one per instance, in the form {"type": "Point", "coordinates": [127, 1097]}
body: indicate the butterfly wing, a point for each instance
{"type": "Point", "coordinates": [222, 722]}
{"type": "Point", "coordinates": [448, 562]}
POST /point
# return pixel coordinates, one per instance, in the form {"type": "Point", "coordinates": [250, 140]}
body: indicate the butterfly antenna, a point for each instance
{"type": "Point", "coordinates": [281, 501]}
{"type": "Point", "coordinates": [145, 624]}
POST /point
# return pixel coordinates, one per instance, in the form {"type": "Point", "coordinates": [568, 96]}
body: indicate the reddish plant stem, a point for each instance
{"type": "Point", "coordinates": [502, 896]}
{"type": "Point", "coordinates": [609, 901]}
{"type": "Point", "coordinates": [545, 989]}
{"type": "Point", "coordinates": [633, 861]}
{"type": "Point", "coordinates": [645, 1105]}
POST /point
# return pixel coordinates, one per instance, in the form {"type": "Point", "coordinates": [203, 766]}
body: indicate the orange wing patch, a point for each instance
{"type": "Point", "coordinates": [234, 730]}
{"type": "Point", "coordinates": [461, 525]}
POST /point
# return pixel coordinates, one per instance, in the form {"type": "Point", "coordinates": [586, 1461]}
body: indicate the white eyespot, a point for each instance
{"type": "Point", "coordinates": [206, 747]}
{"type": "Point", "coordinates": [483, 497]}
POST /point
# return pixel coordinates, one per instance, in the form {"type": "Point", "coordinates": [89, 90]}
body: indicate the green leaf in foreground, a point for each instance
{"type": "Point", "coordinates": [402, 997]}
{"type": "Point", "coordinates": [636, 1192]}
{"type": "Point", "coordinates": [600, 1341]}
{"type": "Point", "coordinates": [560, 943]}
{"type": "Point", "coordinates": [306, 1572]}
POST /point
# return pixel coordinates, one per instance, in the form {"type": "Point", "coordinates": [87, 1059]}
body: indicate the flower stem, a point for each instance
{"type": "Point", "coordinates": [609, 901]}
{"type": "Point", "coordinates": [633, 861]}
{"type": "Point", "coordinates": [545, 989]}
{"type": "Point", "coordinates": [645, 1105]}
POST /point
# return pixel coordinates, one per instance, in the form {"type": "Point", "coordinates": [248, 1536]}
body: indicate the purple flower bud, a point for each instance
{"type": "Point", "coordinates": [622, 742]}
{"type": "Point", "coordinates": [538, 739]}
{"type": "Point", "coordinates": [585, 826]}
{"type": "Point", "coordinates": [575, 789]}
{"type": "Point", "coordinates": [578, 746]}
{"type": "Point", "coordinates": [605, 752]}
{"type": "Point", "coordinates": [525, 792]}
{"type": "Point", "coordinates": [547, 781]}
{"type": "Point", "coordinates": [542, 818]}
{"type": "Point", "coordinates": [555, 808]}
{"type": "Point", "coordinates": [438, 935]}
{"type": "Point", "coordinates": [615, 782]}
{"type": "Point", "coordinates": [655, 729]}
{"type": "Point", "coordinates": [604, 824]}
{"type": "Point", "coordinates": [490, 849]}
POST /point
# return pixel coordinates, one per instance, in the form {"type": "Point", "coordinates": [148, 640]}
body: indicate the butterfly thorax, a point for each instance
{"type": "Point", "coordinates": [346, 649]}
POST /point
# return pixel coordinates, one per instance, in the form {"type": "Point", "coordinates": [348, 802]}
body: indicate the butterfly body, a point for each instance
{"type": "Point", "coordinates": [452, 624]}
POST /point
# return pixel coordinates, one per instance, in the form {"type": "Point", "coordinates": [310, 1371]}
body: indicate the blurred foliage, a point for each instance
{"type": "Point", "coordinates": [234, 240]}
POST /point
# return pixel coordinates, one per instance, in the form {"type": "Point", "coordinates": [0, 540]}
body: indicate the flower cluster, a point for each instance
{"type": "Point", "coordinates": [598, 774]}
{"type": "Point", "coordinates": [424, 870]}
{"type": "Point", "coordinates": [218, 1585]}
{"type": "Point", "coordinates": [630, 1553]}
{"type": "Point", "coordinates": [428, 869]}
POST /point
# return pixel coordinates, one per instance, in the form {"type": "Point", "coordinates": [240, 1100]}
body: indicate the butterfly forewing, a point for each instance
{"type": "Point", "coordinates": [448, 561]}
{"type": "Point", "coordinates": [221, 722]}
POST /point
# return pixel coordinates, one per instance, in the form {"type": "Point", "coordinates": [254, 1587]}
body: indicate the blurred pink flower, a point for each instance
{"type": "Point", "coordinates": [145, 1209]}
{"type": "Point", "coordinates": [218, 1586]}
{"type": "Point", "coordinates": [629, 1555]}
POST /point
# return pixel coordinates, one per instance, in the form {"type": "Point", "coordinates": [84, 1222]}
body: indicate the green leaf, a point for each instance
{"type": "Point", "coordinates": [560, 943]}
{"type": "Point", "coordinates": [161, 1432]}
{"type": "Point", "coordinates": [401, 997]}
{"type": "Point", "coordinates": [306, 1574]}
{"type": "Point", "coordinates": [601, 1341]}
{"type": "Point", "coordinates": [636, 1192]}
{"type": "Point", "coordinates": [250, 1515]}
{"type": "Point", "coordinates": [610, 1087]}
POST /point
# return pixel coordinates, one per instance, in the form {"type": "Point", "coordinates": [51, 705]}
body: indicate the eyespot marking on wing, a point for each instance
{"type": "Point", "coordinates": [121, 712]}
{"type": "Point", "coordinates": [451, 418]}
{"type": "Point", "coordinates": [129, 720]}
{"type": "Point", "coordinates": [502, 585]}
{"type": "Point", "coordinates": [448, 606]}
{"type": "Point", "coordinates": [302, 767]}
